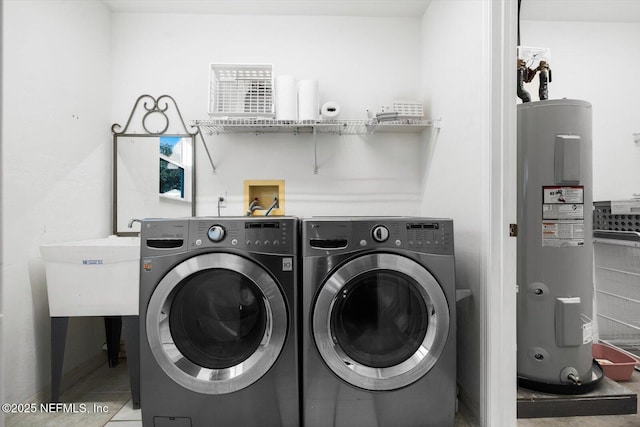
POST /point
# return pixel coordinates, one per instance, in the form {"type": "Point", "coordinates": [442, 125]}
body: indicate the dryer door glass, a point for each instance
{"type": "Point", "coordinates": [380, 319]}
{"type": "Point", "coordinates": [216, 323]}
{"type": "Point", "coordinates": [217, 318]}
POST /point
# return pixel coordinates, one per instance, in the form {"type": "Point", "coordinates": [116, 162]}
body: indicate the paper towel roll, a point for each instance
{"type": "Point", "coordinates": [330, 110]}
{"type": "Point", "coordinates": [308, 101]}
{"type": "Point", "coordinates": [286, 98]}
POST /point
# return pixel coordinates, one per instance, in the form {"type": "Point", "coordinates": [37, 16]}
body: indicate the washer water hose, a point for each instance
{"type": "Point", "coordinates": [252, 207]}
{"type": "Point", "coordinates": [275, 204]}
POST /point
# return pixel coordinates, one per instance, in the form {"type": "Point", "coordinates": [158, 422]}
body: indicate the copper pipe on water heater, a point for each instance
{"type": "Point", "coordinates": [522, 77]}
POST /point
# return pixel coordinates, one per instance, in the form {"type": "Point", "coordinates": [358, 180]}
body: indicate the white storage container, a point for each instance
{"type": "Point", "coordinates": [241, 90]}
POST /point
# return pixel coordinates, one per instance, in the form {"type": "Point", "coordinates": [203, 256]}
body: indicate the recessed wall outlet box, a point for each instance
{"type": "Point", "coordinates": [265, 191]}
{"type": "Point", "coordinates": [533, 55]}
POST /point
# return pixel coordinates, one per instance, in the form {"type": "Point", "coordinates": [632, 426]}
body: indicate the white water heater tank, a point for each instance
{"type": "Point", "coordinates": [555, 249]}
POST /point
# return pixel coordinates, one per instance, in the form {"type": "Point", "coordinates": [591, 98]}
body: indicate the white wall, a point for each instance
{"type": "Point", "coordinates": [56, 171]}
{"type": "Point", "coordinates": [358, 61]}
{"type": "Point", "coordinates": [598, 62]}
{"type": "Point", "coordinates": [452, 56]}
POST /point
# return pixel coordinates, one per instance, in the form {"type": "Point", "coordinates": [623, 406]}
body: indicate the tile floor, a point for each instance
{"type": "Point", "coordinates": [108, 388]}
{"type": "Point", "coordinates": [102, 398]}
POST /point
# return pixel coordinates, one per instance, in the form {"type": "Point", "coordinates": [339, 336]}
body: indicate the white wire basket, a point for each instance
{"type": "Point", "coordinates": [617, 283]}
{"type": "Point", "coordinates": [406, 109]}
{"type": "Point", "coordinates": [606, 218]}
{"type": "Point", "coordinates": [241, 90]}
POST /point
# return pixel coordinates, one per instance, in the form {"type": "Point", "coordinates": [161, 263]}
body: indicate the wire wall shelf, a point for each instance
{"type": "Point", "coordinates": [336, 127]}
{"type": "Point", "coordinates": [258, 126]}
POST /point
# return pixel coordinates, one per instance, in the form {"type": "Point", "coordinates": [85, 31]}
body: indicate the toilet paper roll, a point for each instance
{"type": "Point", "coordinates": [330, 110]}
{"type": "Point", "coordinates": [308, 101]}
{"type": "Point", "coordinates": [286, 98]}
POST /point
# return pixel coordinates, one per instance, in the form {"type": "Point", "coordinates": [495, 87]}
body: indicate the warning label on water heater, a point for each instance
{"type": "Point", "coordinates": [575, 211]}
{"type": "Point", "coordinates": [563, 195]}
{"type": "Point", "coordinates": [562, 233]}
{"type": "Point", "coordinates": [563, 216]}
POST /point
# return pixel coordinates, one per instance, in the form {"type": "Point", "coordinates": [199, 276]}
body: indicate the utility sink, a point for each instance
{"type": "Point", "coordinates": [98, 277]}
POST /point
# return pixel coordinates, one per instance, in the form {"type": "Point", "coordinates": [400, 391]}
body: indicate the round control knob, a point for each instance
{"type": "Point", "coordinates": [380, 233]}
{"type": "Point", "coordinates": [216, 233]}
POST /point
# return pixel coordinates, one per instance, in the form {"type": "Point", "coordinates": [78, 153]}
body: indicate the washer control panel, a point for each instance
{"type": "Point", "coordinates": [270, 235]}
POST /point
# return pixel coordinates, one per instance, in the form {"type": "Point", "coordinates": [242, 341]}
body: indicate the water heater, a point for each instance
{"type": "Point", "coordinates": [555, 248]}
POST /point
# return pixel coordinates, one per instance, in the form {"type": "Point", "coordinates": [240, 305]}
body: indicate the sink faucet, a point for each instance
{"type": "Point", "coordinates": [134, 220]}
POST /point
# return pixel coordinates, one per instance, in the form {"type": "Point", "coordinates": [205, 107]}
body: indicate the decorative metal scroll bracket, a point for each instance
{"type": "Point", "coordinates": [155, 115]}
{"type": "Point", "coordinates": [154, 121]}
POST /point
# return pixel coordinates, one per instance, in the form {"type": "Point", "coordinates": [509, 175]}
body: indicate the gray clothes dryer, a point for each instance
{"type": "Point", "coordinates": [378, 322]}
{"type": "Point", "coordinates": [218, 322]}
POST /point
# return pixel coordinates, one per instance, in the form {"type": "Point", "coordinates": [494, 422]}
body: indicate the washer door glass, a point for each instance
{"type": "Point", "coordinates": [217, 318]}
{"type": "Point", "coordinates": [381, 321]}
{"type": "Point", "coordinates": [216, 323]}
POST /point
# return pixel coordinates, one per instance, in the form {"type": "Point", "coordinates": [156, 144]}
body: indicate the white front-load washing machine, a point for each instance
{"type": "Point", "coordinates": [378, 322]}
{"type": "Point", "coordinates": [218, 322]}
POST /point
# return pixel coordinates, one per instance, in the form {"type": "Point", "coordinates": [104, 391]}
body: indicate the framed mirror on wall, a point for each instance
{"type": "Point", "coordinates": [153, 165]}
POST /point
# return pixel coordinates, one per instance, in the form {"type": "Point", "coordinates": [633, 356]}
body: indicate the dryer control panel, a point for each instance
{"type": "Point", "coordinates": [424, 235]}
{"type": "Point", "coordinates": [267, 235]}
{"type": "Point", "coordinates": [435, 237]}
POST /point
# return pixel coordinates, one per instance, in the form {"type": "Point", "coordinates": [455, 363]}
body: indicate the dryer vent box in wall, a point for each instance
{"type": "Point", "coordinates": [266, 192]}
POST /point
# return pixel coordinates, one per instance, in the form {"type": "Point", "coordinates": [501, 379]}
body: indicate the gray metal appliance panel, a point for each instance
{"type": "Point", "coordinates": [271, 401]}
{"type": "Point", "coordinates": [328, 400]}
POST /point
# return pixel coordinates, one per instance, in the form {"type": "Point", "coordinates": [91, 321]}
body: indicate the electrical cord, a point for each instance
{"type": "Point", "coordinates": [519, 6]}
